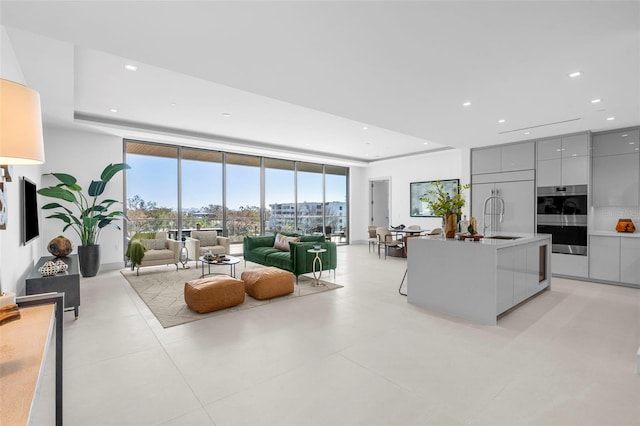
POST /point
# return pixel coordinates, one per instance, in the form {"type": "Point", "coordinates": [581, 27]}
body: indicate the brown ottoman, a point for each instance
{"type": "Point", "coordinates": [213, 293]}
{"type": "Point", "coordinates": [265, 283]}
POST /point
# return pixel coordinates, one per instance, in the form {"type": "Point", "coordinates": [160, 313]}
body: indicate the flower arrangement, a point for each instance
{"type": "Point", "coordinates": [443, 203]}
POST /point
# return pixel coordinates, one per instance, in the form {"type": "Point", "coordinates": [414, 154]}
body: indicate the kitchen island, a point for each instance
{"type": "Point", "coordinates": [477, 280]}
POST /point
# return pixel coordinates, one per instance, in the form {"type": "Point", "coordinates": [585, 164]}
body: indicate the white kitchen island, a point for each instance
{"type": "Point", "coordinates": [477, 280]}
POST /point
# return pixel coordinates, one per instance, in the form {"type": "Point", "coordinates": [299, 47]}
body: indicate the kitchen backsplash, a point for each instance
{"type": "Point", "coordinates": [605, 218]}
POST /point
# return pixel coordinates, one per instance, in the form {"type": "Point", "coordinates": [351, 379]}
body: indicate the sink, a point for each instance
{"type": "Point", "coordinates": [501, 237]}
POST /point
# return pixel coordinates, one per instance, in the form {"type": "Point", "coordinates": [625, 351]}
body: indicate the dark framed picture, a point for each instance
{"type": "Point", "coordinates": [420, 195]}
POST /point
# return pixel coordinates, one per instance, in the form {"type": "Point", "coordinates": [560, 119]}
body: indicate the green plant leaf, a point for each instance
{"type": "Point", "coordinates": [65, 178]}
{"type": "Point", "coordinates": [96, 187]}
{"type": "Point", "coordinates": [111, 170]}
{"type": "Point", "coordinates": [63, 217]}
{"type": "Point", "coordinates": [51, 206]}
{"type": "Point", "coordinates": [58, 192]}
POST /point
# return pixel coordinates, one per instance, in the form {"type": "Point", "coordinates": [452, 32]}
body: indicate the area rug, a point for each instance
{"type": "Point", "coordinates": [162, 289]}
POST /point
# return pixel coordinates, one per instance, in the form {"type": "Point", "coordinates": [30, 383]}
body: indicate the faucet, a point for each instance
{"type": "Point", "coordinates": [485, 213]}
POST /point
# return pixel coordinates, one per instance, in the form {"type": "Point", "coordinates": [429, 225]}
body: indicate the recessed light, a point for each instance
{"type": "Point", "coordinates": [226, 115]}
{"type": "Point", "coordinates": [632, 143]}
{"type": "Point", "coordinates": [610, 118]}
{"type": "Point", "coordinates": [173, 104]}
{"type": "Point", "coordinates": [502, 120]}
{"type": "Point", "coordinates": [113, 110]}
{"type": "Point", "coordinates": [527, 133]}
{"type": "Point", "coordinates": [130, 67]}
{"type": "Point", "coordinates": [365, 128]}
{"type": "Point", "coordinates": [625, 135]}
{"type": "Point", "coordinates": [425, 143]}
{"type": "Point", "coordinates": [595, 101]}
{"type": "Point", "coordinates": [466, 103]}
{"type": "Point", "coordinates": [575, 74]}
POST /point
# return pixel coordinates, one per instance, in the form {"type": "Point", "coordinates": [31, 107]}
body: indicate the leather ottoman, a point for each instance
{"type": "Point", "coordinates": [213, 293]}
{"type": "Point", "coordinates": [265, 283]}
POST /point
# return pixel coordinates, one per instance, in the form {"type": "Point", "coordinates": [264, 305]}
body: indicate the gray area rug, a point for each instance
{"type": "Point", "coordinates": [162, 289]}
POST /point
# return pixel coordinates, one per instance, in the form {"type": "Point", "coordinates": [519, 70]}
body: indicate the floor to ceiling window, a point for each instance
{"type": "Point", "coordinates": [279, 196]}
{"type": "Point", "coordinates": [336, 187]}
{"type": "Point", "coordinates": [201, 189]}
{"type": "Point", "coordinates": [152, 188]}
{"type": "Point", "coordinates": [310, 198]}
{"type": "Point", "coordinates": [242, 196]}
{"type": "Point", "coordinates": [177, 189]}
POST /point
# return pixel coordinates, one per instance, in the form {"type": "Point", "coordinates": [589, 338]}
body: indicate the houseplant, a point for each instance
{"type": "Point", "coordinates": [91, 215]}
{"type": "Point", "coordinates": [448, 206]}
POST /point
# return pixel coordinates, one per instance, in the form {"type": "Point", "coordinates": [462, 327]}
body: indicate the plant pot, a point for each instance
{"type": "Point", "coordinates": [450, 225]}
{"type": "Point", "coordinates": [89, 260]}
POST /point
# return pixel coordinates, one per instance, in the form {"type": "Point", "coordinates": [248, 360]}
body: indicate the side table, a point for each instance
{"type": "Point", "coordinates": [317, 261]}
{"type": "Point", "coordinates": [67, 282]}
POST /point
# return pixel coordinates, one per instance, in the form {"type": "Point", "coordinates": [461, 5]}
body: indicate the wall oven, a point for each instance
{"type": "Point", "coordinates": [562, 212]}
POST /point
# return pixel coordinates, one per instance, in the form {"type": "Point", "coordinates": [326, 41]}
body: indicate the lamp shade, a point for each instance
{"type": "Point", "coordinates": [21, 139]}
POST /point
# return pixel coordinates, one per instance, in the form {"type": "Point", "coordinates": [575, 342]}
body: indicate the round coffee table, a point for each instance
{"type": "Point", "coordinates": [230, 261]}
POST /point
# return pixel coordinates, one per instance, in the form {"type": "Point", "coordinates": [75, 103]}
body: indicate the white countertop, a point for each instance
{"type": "Point", "coordinates": [615, 234]}
{"type": "Point", "coordinates": [488, 242]}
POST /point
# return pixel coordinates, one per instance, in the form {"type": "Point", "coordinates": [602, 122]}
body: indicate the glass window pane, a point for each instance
{"type": "Point", "coordinates": [152, 188]}
{"type": "Point", "coordinates": [243, 196]}
{"type": "Point", "coordinates": [201, 189]}
{"type": "Point", "coordinates": [279, 199]}
{"type": "Point", "coordinates": [310, 209]}
{"type": "Point", "coordinates": [336, 190]}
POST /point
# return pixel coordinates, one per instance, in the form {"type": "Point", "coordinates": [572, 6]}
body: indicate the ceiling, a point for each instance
{"type": "Point", "coordinates": [305, 78]}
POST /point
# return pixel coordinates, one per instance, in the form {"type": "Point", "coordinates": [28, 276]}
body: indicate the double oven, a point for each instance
{"type": "Point", "coordinates": [562, 212]}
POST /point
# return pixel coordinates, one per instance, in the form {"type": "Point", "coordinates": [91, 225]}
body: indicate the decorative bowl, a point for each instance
{"type": "Point", "coordinates": [317, 246]}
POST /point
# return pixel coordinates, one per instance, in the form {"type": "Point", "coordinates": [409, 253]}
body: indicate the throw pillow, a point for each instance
{"type": "Point", "coordinates": [153, 243]}
{"type": "Point", "coordinates": [207, 238]}
{"type": "Point", "coordinates": [282, 242]}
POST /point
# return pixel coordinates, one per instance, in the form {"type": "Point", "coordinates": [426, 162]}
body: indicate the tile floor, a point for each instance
{"type": "Point", "coordinates": [359, 355]}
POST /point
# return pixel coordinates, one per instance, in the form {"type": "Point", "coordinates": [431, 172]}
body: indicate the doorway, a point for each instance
{"type": "Point", "coordinates": [379, 202]}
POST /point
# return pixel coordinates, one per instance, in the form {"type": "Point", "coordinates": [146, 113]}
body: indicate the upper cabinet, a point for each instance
{"type": "Point", "coordinates": [616, 169]}
{"type": "Point", "coordinates": [563, 160]}
{"type": "Point", "coordinates": [505, 158]}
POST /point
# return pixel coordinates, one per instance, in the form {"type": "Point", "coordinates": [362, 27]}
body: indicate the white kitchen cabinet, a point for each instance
{"type": "Point", "coordinates": [504, 158]}
{"type": "Point", "coordinates": [485, 160]}
{"type": "Point", "coordinates": [604, 258]}
{"type": "Point", "coordinates": [616, 180]}
{"type": "Point", "coordinates": [563, 161]}
{"type": "Point", "coordinates": [615, 143]}
{"type": "Point", "coordinates": [630, 260]}
{"type": "Point", "coordinates": [517, 157]}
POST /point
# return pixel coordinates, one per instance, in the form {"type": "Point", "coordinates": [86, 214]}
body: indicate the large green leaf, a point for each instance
{"type": "Point", "coordinates": [51, 206]}
{"type": "Point", "coordinates": [97, 187]}
{"type": "Point", "coordinates": [65, 178]}
{"type": "Point", "coordinates": [111, 170]}
{"type": "Point", "coordinates": [63, 217]}
{"type": "Point", "coordinates": [58, 192]}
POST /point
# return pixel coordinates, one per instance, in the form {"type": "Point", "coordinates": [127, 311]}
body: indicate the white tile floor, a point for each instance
{"type": "Point", "coordinates": [356, 355]}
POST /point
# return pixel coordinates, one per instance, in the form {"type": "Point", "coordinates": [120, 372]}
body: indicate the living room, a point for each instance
{"type": "Point", "coordinates": [361, 350]}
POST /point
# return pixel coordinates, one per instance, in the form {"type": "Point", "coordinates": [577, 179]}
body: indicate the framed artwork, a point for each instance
{"type": "Point", "coordinates": [420, 196]}
{"type": "Point", "coordinates": [3, 207]}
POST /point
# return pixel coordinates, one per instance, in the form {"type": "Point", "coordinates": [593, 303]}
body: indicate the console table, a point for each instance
{"type": "Point", "coordinates": [67, 282]}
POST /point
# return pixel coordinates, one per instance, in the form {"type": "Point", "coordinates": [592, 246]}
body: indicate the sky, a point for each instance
{"type": "Point", "coordinates": [155, 179]}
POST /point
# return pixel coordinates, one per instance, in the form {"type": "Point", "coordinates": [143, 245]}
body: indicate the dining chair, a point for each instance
{"type": "Point", "coordinates": [373, 238]}
{"type": "Point", "coordinates": [385, 238]}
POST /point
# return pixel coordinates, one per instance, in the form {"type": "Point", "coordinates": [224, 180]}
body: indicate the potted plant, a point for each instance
{"type": "Point", "coordinates": [447, 206]}
{"type": "Point", "coordinates": [91, 215]}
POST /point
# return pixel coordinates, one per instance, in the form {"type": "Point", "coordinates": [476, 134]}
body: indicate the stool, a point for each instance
{"type": "Point", "coordinates": [213, 293]}
{"type": "Point", "coordinates": [265, 283]}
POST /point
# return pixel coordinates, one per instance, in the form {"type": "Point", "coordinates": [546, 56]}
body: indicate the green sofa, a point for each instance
{"type": "Point", "coordinates": [260, 250]}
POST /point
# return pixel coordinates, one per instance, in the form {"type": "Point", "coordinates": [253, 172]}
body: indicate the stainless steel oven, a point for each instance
{"type": "Point", "coordinates": [562, 212]}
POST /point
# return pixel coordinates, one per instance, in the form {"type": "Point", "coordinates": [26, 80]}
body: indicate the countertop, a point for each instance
{"type": "Point", "coordinates": [488, 242]}
{"type": "Point", "coordinates": [615, 234]}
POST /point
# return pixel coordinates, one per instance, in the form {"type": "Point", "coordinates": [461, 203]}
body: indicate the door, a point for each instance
{"type": "Point", "coordinates": [380, 203]}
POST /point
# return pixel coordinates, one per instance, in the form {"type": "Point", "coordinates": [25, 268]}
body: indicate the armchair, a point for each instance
{"type": "Point", "coordinates": [144, 250]}
{"type": "Point", "coordinates": [204, 241]}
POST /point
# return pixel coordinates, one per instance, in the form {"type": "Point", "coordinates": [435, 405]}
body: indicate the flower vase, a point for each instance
{"type": "Point", "coordinates": [450, 224]}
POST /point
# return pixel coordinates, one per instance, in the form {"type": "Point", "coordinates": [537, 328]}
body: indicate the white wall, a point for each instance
{"type": "Point", "coordinates": [450, 164]}
{"type": "Point", "coordinates": [16, 259]}
{"type": "Point", "coordinates": [83, 155]}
